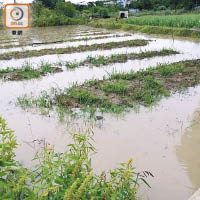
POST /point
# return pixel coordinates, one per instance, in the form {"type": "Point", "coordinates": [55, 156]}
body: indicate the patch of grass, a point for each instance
{"type": "Point", "coordinates": [71, 65]}
{"type": "Point", "coordinates": [119, 58]}
{"type": "Point", "coordinates": [115, 87]}
{"type": "Point", "coordinates": [80, 48]}
{"type": "Point", "coordinates": [151, 92]}
{"type": "Point", "coordinates": [28, 72]}
{"type": "Point", "coordinates": [171, 70]}
{"type": "Point", "coordinates": [122, 91]}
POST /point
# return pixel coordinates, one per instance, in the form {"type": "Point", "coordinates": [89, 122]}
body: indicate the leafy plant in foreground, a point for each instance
{"type": "Point", "coordinates": [68, 175]}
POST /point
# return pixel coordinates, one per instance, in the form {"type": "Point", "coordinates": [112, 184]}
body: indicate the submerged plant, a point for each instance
{"type": "Point", "coordinates": [27, 71]}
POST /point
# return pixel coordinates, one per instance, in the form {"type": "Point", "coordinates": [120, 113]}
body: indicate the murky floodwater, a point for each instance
{"type": "Point", "coordinates": [164, 140]}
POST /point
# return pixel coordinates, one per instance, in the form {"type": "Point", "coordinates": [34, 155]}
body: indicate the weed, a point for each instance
{"type": "Point", "coordinates": [67, 175]}
{"type": "Point", "coordinates": [115, 87]}
{"type": "Point", "coordinates": [70, 65]}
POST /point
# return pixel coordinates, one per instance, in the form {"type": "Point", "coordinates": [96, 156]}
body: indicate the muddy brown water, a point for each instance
{"type": "Point", "coordinates": [164, 140]}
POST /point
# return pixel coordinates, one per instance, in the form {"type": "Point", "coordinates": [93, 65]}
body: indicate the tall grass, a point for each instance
{"type": "Point", "coordinates": [179, 21]}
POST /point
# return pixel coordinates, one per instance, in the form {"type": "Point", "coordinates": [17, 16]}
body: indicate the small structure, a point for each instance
{"type": "Point", "coordinates": [123, 14]}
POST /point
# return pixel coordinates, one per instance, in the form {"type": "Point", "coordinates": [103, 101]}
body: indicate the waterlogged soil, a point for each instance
{"type": "Point", "coordinates": [81, 48]}
{"type": "Point", "coordinates": [162, 139]}
{"type": "Point", "coordinates": [15, 45]}
{"type": "Point", "coordinates": [123, 90]}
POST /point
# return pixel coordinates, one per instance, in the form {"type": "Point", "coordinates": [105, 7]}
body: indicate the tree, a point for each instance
{"type": "Point", "coordinates": [66, 8]}
{"type": "Point", "coordinates": [49, 3]}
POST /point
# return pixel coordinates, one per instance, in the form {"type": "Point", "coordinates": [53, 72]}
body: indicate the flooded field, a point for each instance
{"type": "Point", "coordinates": [163, 139]}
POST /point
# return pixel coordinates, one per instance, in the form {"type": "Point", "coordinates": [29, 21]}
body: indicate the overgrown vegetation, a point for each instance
{"type": "Point", "coordinates": [121, 91]}
{"type": "Point", "coordinates": [80, 48]}
{"type": "Point", "coordinates": [59, 12]}
{"type": "Point", "coordinates": [28, 72]}
{"type": "Point", "coordinates": [118, 58]}
{"type": "Point", "coordinates": [67, 175]}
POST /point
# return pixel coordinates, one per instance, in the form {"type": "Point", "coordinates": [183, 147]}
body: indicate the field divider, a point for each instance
{"type": "Point", "coordinates": [68, 50]}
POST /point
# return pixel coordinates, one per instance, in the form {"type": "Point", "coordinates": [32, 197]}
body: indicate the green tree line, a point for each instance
{"type": "Point", "coordinates": [165, 4]}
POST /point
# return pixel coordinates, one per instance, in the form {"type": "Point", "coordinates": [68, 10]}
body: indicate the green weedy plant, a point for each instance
{"type": "Point", "coordinates": [152, 91]}
{"type": "Point", "coordinates": [13, 177]}
{"type": "Point", "coordinates": [117, 87]}
{"type": "Point", "coordinates": [68, 175]}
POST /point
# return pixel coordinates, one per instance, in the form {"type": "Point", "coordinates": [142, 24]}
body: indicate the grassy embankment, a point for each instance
{"type": "Point", "coordinates": [65, 176]}
{"type": "Point", "coordinates": [28, 72]}
{"type": "Point", "coordinates": [121, 91]}
{"type": "Point", "coordinates": [176, 25]}
{"type": "Point", "coordinates": [80, 48]}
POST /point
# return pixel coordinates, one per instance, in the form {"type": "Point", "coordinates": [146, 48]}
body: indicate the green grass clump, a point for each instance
{"type": "Point", "coordinates": [171, 70]}
{"type": "Point", "coordinates": [70, 65]}
{"type": "Point", "coordinates": [151, 92]}
{"type": "Point", "coordinates": [115, 87]}
{"type": "Point", "coordinates": [27, 72]}
{"type": "Point", "coordinates": [64, 175]}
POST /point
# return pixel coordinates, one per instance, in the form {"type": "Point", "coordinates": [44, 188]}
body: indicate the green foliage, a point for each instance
{"type": "Point", "coordinates": [65, 8]}
{"type": "Point", "coordinates": [67, 175]}
{"type": "Point", "coordinates": [49, 3]}
{"type": "Point", "coordinates": [151, 92]}
{"type": "Point", "coordinates": [120, 87]}
{"type": "Point", "coordinates": [70, 65]}
{"type": "Point", "coordinates": [84, 97]}
{"type": "Point", "coordinates": [166, 70]}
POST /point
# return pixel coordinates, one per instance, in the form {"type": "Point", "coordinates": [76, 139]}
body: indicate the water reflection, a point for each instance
{"type": "Point", "coordinates": [188, 152]}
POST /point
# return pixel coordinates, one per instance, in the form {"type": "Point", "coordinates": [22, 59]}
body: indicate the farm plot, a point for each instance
{"type": "Point", "coordinates": [111, 73]}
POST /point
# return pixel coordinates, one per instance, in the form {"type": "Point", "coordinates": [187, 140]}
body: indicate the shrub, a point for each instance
{"type": "Point", "coordinates": [67, 175]}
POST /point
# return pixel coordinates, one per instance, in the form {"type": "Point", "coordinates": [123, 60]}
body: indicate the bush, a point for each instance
{"type": "Point", "coordinates": [67, 175]}
{"type": "Point", "coordinates": [103, 12]}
